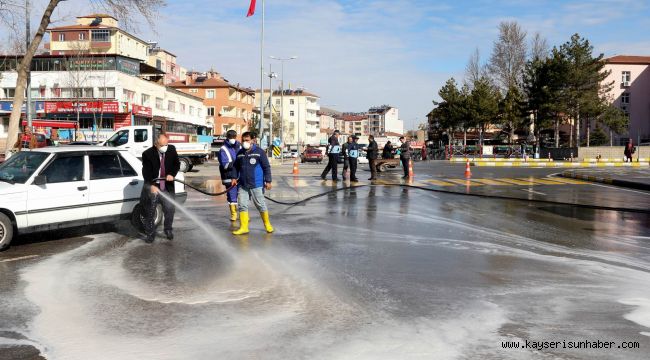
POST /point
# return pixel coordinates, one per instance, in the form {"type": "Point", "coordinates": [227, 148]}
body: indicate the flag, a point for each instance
{"type": "Point", "coordinates": [251, 9]}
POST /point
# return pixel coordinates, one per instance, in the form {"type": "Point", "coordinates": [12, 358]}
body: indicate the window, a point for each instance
{"type": "Point", "coordinates": [291, 102]}
{"type": "Point", "coordinates": [182, 108]}
{"type": "Point", "coordinates": [120, 138]}
{"type": "Point", "coordinates": [194, 91]}
{"type": "Point", "coordinates": [291, 113]}
{"type": "Point", "coordinates": [277, 102]}
{"type": "Point", "coordinates": [191, 110]}
{"type": "Point", "coordinates": [86, 123]}
{"type": "Point", "coordinates": [65, 169]}
{"type": "Point", "coordinates": [626, 78]}
{"type": "Point", "coordinates": [107, 93]}
{"type": "Point", "coordinates": [209, 94]}
{"type": "Point", "coordinates": [10, 92]}
{"type": "Point", "coordinates": [140, 135]}
{"type": "Point", "coordinates": [128, 95]}
{"type": "Point", "coordinates": [82, 36]}
{"type": "Point", "coordinates": [100, 35]}
{"type": "Point", "coordinates": [145, 99]}
{"type": "Point", "coordinates": [158, 64]}
{"type": "Point", "coordinates": [109, 166]}
{"type": "Point", "coordinates": [171, 106]}
{"type": "Point", "coordinates": [159, 103]}
{"type": "Point", "coordinates": [210, 111]}
{"type": "Point", "coordinates": [61, 37]}
{"type": "Point", "coordinates": [625, 98]}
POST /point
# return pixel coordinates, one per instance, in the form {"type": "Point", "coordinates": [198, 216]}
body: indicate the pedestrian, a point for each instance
{"type": "Point", "coordinates": [333, 151]}
{"type": "Point", "coordinates": [54, 136]}
{"type": "Point", "coordinates": [227, 156]}
{"type": "Point", "coordinates": [405, 155]}
{"type": "Point", "coordinates": [254, 171]}
{"type": "Point", "coordinates": [27, 140]}
{"type": "Point", "coordinates": [629, 151]}
{"type": "Point", "coordinates": [387, 153]}
{"type": "Point", "coordinates": [159, 161]}
{"type": "Point", "coordinates": [353, 156]}
{"type": "Point", "coordinates": [371, 155]}
{"type": "Point", "coordinates": [346, 157]}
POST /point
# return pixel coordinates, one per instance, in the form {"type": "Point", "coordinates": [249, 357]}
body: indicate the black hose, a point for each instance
{"type": "Point", "coordinates": [198, 189]}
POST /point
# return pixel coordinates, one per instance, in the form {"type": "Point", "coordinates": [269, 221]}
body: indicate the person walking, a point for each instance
{"type": "Point", "coordinates": [254, 171]}
{"type": "Point", "coordinates": [27, 140]}
{"type": "Point", "coordinates": [405, 155]}
{"type": "Point", "coordinates": [353, 155]}
{"type": "Point", "coordinates": [371, 154]}
{"type": "Point", "coordinates": [629, 151]}
{"type": "Point", "coordinates": [387, 153]}
{"type": "Point", "coordinates": [227, 157]}
{"type": "Point", "coordinates": [159, 161]}
{"type": "Point", "coordinates": [333, 151]}
{"type": "Point", "coordinates": [346, 157]}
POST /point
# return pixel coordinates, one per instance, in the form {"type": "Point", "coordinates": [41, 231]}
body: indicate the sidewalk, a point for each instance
{"type": "Point", "coordinates": [625, 177]}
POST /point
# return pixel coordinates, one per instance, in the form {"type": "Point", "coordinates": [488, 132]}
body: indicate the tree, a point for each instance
{"type": "Point", "coordinates": [474, 71]}
{"type": "Point", "coordinates": [450, 110]}
{"type": "Point", "coordinates": [599, 137]}
{"type": "Point", "coordinates": [538, 47]}
{"type": "Point", "coordinates": [122, 9]}
{"type": "Point", "coordinates": [615, 120]}
{"type": "Point", "coordinates": [483, 104]}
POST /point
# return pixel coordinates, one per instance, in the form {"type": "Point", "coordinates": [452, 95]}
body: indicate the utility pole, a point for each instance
{"type": "Point", "coordinates": [28, 104]}
{"type": "Point", "coordinates": [262, 74]}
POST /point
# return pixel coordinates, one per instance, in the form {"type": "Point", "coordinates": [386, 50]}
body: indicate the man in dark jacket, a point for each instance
{"type": "Point", "coordinates": [333, 151]}
{"type": "Point", "coordinates": [159, 161]}
{"type": "Point", "coordinates": [227, 156]}
{"type": "Point", "coordinates": [371, 154]}
{"type": "Point", "coordinates": [352, 153]}
{"type": "Point", "coordinates": [254, 172]}
{"type": "Point", "coordinates": [387, 153]}
{"type": "Point", "coordinates": [405, 155]}
{"type": "Point", "coordinates": [346, 157]}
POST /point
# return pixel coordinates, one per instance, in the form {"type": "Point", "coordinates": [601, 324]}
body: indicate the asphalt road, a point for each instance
{"type": "Point", "coordinates": [371, 272]}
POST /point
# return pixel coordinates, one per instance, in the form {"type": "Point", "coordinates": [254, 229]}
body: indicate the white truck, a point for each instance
{"type": "Point", "coordinates": [137, 139]}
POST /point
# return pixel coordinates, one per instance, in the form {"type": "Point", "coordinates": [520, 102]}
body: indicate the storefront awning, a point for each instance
{"type": "Point", "coordinates": [52, 124]}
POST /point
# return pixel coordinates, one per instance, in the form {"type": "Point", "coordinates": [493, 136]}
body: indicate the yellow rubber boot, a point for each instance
{"type": "Point", "coordinates": [267, 221]}
{"type": "Point", "coordinates": [243, 227]}
{"type": "Point", "coordinates": [233, 212]}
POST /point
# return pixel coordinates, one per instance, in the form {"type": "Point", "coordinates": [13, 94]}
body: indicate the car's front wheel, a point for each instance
{"type": "Point", "coordinates": [6, 231]}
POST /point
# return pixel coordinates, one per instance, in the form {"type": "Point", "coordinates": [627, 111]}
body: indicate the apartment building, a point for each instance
{"type": "Point", "coordinates": [228, 106]}
{"type": "Point", "coordinates": [165, 61]}
{"type": "Point", "coordinates": [631, 93]}
{"type": "Point", "coordinates": [383, 119]}
{"type": "Point", "coordinates": [96, 34]}
{"type": "Point", "coordinates": [300, 115]}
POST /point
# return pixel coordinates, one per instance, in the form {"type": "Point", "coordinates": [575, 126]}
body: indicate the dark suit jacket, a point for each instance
{"type": "Point", "coordinates": [151, 165]}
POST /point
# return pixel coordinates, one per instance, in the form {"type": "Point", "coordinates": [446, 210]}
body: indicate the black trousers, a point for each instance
{"type": "Point", "coordinates": [373, 168]}
{"type": "Point", "coordinates": [149, 203]}
{"type": "Point", "coordinates": [353, 168]}
{"type": "Point", "coordinates": [332, 164]}
{"type": "Point", "coordinates": [405, 165]}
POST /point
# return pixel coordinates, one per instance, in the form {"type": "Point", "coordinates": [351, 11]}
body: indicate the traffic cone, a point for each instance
{"type": "Point", "coordinates": [295, 167]}
{"type": "Point", "coordinates": [411, 174]}
{"type": "Point", "coordinates": [468, 172]}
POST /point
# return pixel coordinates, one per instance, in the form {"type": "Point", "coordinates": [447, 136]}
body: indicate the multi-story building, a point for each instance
{"type": "Point", "coordinates": [300, 116]}
{"type": "Point", "coordinates": [228, 106]}
{"type": "Point", "coordinates": [76, 95]}
{"type": "Point", "coordinates": [165, 61]}
{"type": "Point", "coordinates": [631, 93]}
{"type": "Point", "coordinates": [96, 34]}
{"type": "Point", "coordinates": [383, 119]}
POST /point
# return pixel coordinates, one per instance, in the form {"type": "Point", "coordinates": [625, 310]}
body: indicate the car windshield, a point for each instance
{"type": "Point", "coordinates": [119, 138]}
{"type": "Point", "coordinates": [21, 166]}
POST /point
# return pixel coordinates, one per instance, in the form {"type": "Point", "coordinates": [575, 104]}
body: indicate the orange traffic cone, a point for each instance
{"type": "Point", "coordinates": [295, 167]}
{"type": "Point", "coordinates": [411, 174]}
{"type": "Point", "coordinates": [468, 172]}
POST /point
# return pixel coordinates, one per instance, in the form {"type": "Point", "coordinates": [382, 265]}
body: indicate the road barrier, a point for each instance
{"type": "Point", "coordinates": [468, 171]}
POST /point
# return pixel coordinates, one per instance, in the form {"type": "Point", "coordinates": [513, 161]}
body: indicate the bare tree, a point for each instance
{"type": "Point", "coordinates": [508, 56]}
{"type": "Point", "coordinates": [474, 71]}
{"type": "Point", "coordinates": [123, 9]}
{"type": "Point", "coordinates": [539, 48]}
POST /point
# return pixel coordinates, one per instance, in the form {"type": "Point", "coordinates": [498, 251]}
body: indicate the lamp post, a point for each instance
{"type": "Point", "coordinates": [271, 75]}
{"type": "Point", "coordinates": [282, 60]}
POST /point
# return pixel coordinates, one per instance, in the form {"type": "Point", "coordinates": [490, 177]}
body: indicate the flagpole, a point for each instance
{"type": "Point", "coordinates": [261, 75]}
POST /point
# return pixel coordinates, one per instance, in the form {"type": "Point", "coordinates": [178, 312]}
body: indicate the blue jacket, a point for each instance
{"type": "Point", "coordinates": [253, 168]}
{"type": "Point", "coordinates": [227, 157]}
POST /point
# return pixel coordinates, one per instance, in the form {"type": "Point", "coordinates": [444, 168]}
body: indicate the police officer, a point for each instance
{"type": "Point", "coordinates": [346, 158]}
{"type": "Point", "coordinates": [371, 154]}
{"type": "Point", "coordinates": [405, 155]}
{"type": "Point", "coordinates": [159, 161]}
{"type": "Point", "coordinates": [227, 157]}
{"type": "Point", "coordinates": [333, 150]}
{"type": "Point", "coordinates": [353, 155]}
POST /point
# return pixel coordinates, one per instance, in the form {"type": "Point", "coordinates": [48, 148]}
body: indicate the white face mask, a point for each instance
{"type": "Point", "coordinates": [246, 145]}
{"type": "Point", "coordinates": [232, 141]}
{"type": "Point", "coordinates": [163, 149]}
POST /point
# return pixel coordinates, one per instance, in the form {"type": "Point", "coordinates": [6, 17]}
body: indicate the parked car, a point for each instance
{"type": "Point", "coordinates": [311, 155]}
{"type": "Point", "coordinates": [87, 143]}
{"type": "Point", "coordinates": [58, 187]}
{"type": "Point", "coordinates": [290, 154]}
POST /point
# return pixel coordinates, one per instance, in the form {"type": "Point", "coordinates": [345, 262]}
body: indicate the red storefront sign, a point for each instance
{"type": "Point", "coordinates": [141, 110]}
{"type": "Point", "coordinates": [84, 107]}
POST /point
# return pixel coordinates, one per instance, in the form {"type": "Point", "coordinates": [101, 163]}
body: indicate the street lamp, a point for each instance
{"type": "Point", "coordinates": [282, 60]}
{"type": "Point", "coordinates": [271, 75]}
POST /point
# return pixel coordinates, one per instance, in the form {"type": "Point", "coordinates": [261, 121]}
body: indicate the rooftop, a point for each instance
{"type": "Point", "coordinates": [93, 16]}
{"type": "Point", "coordinates": [628, 59]}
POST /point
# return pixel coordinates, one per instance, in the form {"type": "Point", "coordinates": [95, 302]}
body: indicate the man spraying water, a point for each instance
{"type": "Point", "coordinates": [254, 171]}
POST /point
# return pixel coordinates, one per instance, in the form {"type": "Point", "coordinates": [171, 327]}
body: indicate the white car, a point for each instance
{"type": "Point", "coordinates": [57, 187]}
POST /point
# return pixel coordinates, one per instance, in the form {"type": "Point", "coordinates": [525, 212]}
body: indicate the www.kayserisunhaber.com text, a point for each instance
{"type": "Point", "coordinates": [566, 344]}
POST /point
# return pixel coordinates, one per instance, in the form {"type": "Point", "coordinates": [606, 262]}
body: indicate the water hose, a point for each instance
{"type": "Point", "coordinates": [498, 197]}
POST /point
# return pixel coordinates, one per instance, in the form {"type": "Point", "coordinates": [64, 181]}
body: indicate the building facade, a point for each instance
{"type": "Point", "coordinates": [228, 106]}
{"type": "Point", "coordinates": [165, 61]}
{"type": "Point", "coordinates": [299, 115]}
{"type": "Point", "coordinates": [383, 119]}
{"type": "Point", "coordinates": [631, 93]}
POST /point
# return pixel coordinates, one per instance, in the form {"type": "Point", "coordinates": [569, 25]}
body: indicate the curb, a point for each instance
{"type": "Point", "coordinates": [607, 180]}
{"type": "Point", "coordinates": [557, 164]}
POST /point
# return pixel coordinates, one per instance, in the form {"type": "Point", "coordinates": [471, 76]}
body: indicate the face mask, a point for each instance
{"type": "Point", "coordinates": [163, 149]}
{"type": "Point", "coordinates": [246, 145]}
{"type": "Point", "coordinates": [232, 141]}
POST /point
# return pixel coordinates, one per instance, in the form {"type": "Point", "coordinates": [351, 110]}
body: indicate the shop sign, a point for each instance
{"type": "Point", "coordinates": [141, 110]}
{"type": "Point", "coordinates": [83, 106]}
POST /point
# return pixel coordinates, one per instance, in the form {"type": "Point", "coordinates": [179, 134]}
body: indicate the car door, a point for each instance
{"type": "Point", "coordinates": [141, 141]}
{"type": "Point", "coordinates": [114, 185]}
{"type": "Point", "coordinates": [64, 196]}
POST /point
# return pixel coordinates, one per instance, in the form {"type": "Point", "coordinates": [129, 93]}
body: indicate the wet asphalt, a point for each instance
{"type": "Point", "coordinates": [370, 272]}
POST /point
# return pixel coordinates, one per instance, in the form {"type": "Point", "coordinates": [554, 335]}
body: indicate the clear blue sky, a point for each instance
{"type": "Point", "coordinates": [356, 54]}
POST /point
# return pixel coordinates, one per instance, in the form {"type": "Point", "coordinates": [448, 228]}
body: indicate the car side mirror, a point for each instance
{"type": "Point", "coordinates": [40, 180]}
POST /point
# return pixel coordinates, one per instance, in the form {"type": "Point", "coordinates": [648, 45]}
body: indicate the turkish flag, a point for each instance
{"type": "Point", "coordinates": [251, 9]}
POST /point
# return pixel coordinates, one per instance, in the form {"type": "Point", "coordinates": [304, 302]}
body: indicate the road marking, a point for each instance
{"type": "Point", "coordinates": [541, 181]}
{"type": "Point", "coordinates": [620, 188]}
{"type": "Point", "coordinates": [463, 182]}
{"type": "Point", "coordinates": [515, 181]}
{"type": "Point", "coordinates": [490, 182]}
{"type": "Point", "coordinates": [439, 182]}
{"type": "Point", "coordinates": [19, 258]}
{"type": "Point", "coordinates": [569, 181]}
{"type": "Point", "coordinates": [534, 192]}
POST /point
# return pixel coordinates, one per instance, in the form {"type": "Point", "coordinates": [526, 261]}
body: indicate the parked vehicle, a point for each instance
{"type": "Point", "coordinates": [58, 187]}
{"type": "Point", "coordinates": [290, 154]}
{"type": "Point", "coordinates": [137, 139]}
{"type": "Point", "coordinates": [312, 155]}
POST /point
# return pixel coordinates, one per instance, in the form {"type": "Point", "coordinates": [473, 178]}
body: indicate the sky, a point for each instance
{"type": "Point", "coordinates": [356, 54]}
